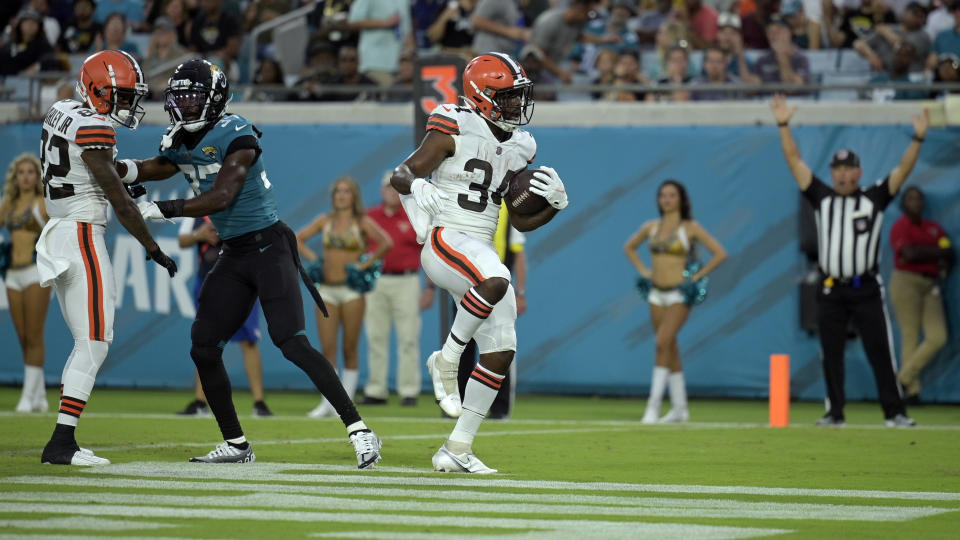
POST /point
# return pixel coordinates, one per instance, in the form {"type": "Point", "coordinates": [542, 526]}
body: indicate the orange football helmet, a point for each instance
{"type": "Point", "coordinates": [497, 86]}
{"type": "Point", "coordinates": [111, 83]}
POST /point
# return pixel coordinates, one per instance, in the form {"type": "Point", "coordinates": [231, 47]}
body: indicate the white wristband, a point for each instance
{"type": "Point", "coordinates": [132, 171]}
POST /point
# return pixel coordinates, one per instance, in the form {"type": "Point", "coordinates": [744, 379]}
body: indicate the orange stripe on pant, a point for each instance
{"type": "Point", "coordinates": [458, 261]}
{"type": "Point", "coordinates": [88, 252]}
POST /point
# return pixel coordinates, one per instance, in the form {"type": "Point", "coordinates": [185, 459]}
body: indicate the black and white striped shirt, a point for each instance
{"type": "Point", "coordinates": [848, 227]}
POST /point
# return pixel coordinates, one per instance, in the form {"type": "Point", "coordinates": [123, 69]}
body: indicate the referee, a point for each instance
{"type": "Point", "coordinates": [849, 219]}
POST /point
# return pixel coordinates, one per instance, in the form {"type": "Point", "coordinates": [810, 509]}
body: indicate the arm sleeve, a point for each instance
{"type": "Point", "coordinates": [358, 11]}
{"type": "Point", "coordinates": [95, 136]}
{"type": "Point", "coordinates": [443, 121]}
{"type": "Point", "coordinates": [817, 191]}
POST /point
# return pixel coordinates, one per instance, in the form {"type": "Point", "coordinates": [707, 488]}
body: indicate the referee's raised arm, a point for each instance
{"type": "Point", "coordinates": [782, 113]}
{"type": "Point", "coordinates": [900, 173]}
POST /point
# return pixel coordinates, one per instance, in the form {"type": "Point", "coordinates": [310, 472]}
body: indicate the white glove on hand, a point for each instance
{"type": "Point", "coordinates": [547, 184]}
{"type": "Point", "coordinates": [428, 197]}
{"type": "Point", "coordinates": [150, 211]}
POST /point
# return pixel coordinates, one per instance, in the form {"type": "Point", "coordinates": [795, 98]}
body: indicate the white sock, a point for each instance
{"type": "Point", "coordinates": [471, 313]}
{"type": "Point", "coordinates": [481, 390]}
{"type": "Point", "coordinates": [356, 426]}
{"type": "Point", "coordinates": [238, 441]}
{"type": "Point", "coordinates": [39, 384]}
{"type": "Point", "coordinates": [349, 380]}
{"type": "Point", "coordinates": [657, 386]}
{"type": "Point", "coordinates": [678, 391]}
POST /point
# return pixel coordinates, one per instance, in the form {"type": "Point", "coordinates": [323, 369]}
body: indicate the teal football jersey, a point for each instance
{"type": "Point", "coordinates": [255, 207]}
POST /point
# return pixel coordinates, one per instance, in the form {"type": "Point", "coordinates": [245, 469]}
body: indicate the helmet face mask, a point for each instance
{"type": "Point", "coordinates": [515, 105]}
{"type": "Point", "coordinates": [126, 109]}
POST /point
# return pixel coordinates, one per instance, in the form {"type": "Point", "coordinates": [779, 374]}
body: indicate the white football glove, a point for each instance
{"type": "Point", "coordinates": [150, 211]}
{"type": "Point", "coordinates": [547, 184]}
{"type": "Point", "coordinates": [428, 197]}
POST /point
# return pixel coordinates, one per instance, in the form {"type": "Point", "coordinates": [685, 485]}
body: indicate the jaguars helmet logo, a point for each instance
{"type": "Point", "coordinates": [210, 152]}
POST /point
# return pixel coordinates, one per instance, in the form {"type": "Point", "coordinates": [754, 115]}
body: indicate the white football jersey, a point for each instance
{"type": "Point", "coordinates": [70, 190]}
{"type": "Point", "coordinates": [476, 177]}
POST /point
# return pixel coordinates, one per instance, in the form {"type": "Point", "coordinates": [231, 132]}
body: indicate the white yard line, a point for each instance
{"type": "Point", "coordinates": [310, 473]}
{"type": "Point", "coordinates": [547, 528]}
{"type": "Point", "coordinates": [642, 507]}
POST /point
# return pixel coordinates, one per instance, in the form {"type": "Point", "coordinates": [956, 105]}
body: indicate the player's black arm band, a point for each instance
{"type": "Point", "coordinates": [171, 209]}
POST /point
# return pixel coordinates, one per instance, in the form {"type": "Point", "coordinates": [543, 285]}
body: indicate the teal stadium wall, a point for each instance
{"type": "Point", "coordinates": [586, 330]}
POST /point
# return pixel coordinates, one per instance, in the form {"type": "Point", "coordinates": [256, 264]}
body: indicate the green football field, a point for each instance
{"type": "Point", "coordinates": [569, 468]}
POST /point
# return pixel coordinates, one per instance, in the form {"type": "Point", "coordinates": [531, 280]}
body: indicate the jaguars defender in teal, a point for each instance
{"type": "Point", "coordinates": [220, 156]}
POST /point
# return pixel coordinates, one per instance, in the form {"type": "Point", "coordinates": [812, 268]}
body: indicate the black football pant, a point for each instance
{"type": "Point", "coordinates": [863, 305]}
{"type": "Point", "coordinates": [262, 264]}
{"type": "Point", "coordinates": [500, 408]}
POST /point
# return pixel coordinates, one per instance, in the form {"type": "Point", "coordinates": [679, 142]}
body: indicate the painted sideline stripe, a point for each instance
{"type": "Point", "coordinates": [549, 528]}
{"type": "Point", "coordinates": [673, 508]}
{"type": "Point", "coordinates": [82, 523]}
{"type": "Point", "coordinates": [268, 472]}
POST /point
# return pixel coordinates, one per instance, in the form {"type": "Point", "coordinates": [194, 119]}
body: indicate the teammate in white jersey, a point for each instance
{"type": "Point", "coordinates": [471, 152]}
{"type": "Point", "coordinates": [80, 179]}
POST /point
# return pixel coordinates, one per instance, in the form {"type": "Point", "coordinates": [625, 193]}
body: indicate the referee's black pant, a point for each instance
{"type": "Point", "coordinates": [861, 303]}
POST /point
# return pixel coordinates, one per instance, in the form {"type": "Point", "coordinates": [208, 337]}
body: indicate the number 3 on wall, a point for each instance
{"type": "Point", "coordinates": [444, 82]}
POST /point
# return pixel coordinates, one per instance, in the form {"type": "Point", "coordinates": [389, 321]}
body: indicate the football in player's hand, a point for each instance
{"type": "Point", "coordinates": [520, 200]}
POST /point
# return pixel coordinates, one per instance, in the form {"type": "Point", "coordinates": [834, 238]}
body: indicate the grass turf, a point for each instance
{"type": "Point", "coordinates": [588, 444]}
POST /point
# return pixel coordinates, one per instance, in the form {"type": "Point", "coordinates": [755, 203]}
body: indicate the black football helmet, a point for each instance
{"type": "Point", "coordinates": [196, 95]}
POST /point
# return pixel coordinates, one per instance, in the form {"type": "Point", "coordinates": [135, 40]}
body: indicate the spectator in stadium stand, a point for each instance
{"type": "Point", "coordinates": [879, 46]}
{"type": "Point", "coordinates": [531, 59]}
{"type": "Point", "coordinates": [947, 41]}
{"type": "Point", "coordinates": [754, 25]}
{"type": "Point", "coordinates": [804, 31]}
{"type": "Point", "coordinates": [702, 21]}
{"type": "Point", "coordinates": [615, 24]}
{"type": "Point", "coordinates": [603, 70]}
{"type": "Point", "coordinates": [715, 72]}
{"type": "Point", "coordinates": [348, 74]}
{"type": "Point", "coordinates": [384, 28]}
{"type": "Point", "coordinates": [452, 30]}
{"type": "Point", "coordinates": [730, 41]}
{"type": "Point", "coordinates": [269, 72]}
{"type": "Point", "coordinates": [25, 46]}
{"type": "Point", "coordinates": [395, 302]}
{"type": "Point", "coordinates": [860, 22]}
{"type": "Point", "coordinates": [51, 26]}
{"type": "Point", "coordinates": [947, 70]}
{"type": "Point", "coordinates": [669, 35]}
{"type": "Point", "coordinates": [262, 11]}
{"type": "Point", "coordinates": [782, 63]}
{"type": "Point", "coordinates": [132, 10]}
{"type": "Point", "coordinates": [214, 28]}
{"type": "Point", "coordinates": [627, 71]}
{"type": "Point", "coordinates": [903, 57]}
{"type": "Point", "coordinates": [557, 30]}
{"type": "Point", "coordinates": [176, 11]}
{"type": "Point", "coordinates": [320, 69]}
{"type": "Point", "coordinates": [922, 257]}
{"type": "Point", "coordinates": [676, 72]}
{"type": "Point", "coordinates": [402, 88]}
{"type": "Point", "coordinates": [650, 21]}
{"type": "Point", "coordinates": [79, 35]}
{"type": "Point", "coordinates": [163, 48]}
{"type": "Point", "coordinates": [114, 36]}
{"type": "Point", "coordinates": [495, 27]}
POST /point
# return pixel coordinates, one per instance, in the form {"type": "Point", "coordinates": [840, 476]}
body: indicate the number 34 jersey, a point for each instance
{"type": "Point", "coordinates": [70, 190]}
{"type": "Point", "coordinates": [476, 177]}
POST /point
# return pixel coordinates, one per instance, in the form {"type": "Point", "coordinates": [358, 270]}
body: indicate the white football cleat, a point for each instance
{"type": "Point", "coordinates": [227, 453]}
{"type": "Point", "coordinates": [446, 461]}
{"type": "Point", "coordinates": [445, 387]}
{"type": "Point", "coordinates": [676, 416]}
{"type": "Point", "coordinates": [367, 445]}
{"type": "Point", "coordinates": [82, 457]}
{"type": "Point", "coordinates": [651, 416]}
